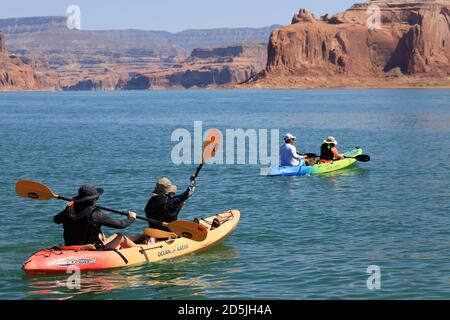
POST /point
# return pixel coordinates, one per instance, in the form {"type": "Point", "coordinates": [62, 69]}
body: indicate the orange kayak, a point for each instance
{"type": "Point", "coordinates": [87, 258]}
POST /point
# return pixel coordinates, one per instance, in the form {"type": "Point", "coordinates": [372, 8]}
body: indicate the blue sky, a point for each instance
{"type": "Point", "coordinates": [174, 15]}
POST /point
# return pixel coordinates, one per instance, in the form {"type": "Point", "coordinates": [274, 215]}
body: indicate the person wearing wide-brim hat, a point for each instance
{"type": "Point", "coordinates": [82, 222]}
{"type": "Point", "coordinates": [164, 204]}
{"type": "Point", "coordinates": [329, 151]}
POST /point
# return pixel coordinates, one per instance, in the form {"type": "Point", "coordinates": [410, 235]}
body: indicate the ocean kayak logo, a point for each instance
{"type": "Point", "coordinates": [238, 146]}
{"type": "Point", "coordinates": [71, 262]}
{"type": "Point", "coordinates": [73, 21]}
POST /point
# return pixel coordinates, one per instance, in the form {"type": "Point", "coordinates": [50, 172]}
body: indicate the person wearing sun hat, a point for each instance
{"type": "Point", "coordinates": [329, 151]}
{"type": "Point", "coordinates": [82, 222]}
{"type": "Point", "coordinates": [165, 204]}
{"type": "Point", "coordinates": [289, 155]}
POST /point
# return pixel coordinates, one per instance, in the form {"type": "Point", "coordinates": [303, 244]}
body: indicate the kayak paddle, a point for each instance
{"type": "Point", "coordinates": [38, 191]}
{"type": "Point", "coordinates": [211, 146]}
{"type": "Point", "coordinates": [360, 158]}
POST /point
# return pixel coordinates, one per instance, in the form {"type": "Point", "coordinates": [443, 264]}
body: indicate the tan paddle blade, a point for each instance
{"type": "Point", "coordinates": [34, 190]}
{"type": "Point", "coordinates": [159, 234]}
{"type": "Point", "coordinates": [212, 144]}
{"type": "Point", "coordinates": [188, 229]}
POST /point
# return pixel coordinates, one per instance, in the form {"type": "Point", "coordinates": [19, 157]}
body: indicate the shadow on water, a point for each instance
{"type": "Point", "coordinates": [162, 279]}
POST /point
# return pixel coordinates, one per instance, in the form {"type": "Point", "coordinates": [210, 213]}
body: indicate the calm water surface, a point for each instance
{"type": "Point", "coordinates": [299, 237]}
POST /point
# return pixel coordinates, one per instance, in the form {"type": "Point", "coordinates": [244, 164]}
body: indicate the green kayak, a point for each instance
{"type": "Point", "coordinates": [337, 165]}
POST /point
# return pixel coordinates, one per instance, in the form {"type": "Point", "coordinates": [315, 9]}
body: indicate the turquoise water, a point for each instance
{"type": "Point", "coordinates": [299, 237]}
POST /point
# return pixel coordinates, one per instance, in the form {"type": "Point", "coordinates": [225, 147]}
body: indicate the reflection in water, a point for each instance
{"type": "Point", "coordinates": [186, 272]}
{"type": "Point", "coordinates": [332, 177]}
{"type": "Point", "coordinates": [292, 184]}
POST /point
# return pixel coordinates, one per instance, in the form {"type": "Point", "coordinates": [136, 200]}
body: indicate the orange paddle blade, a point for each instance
{"type": "Point", "coordinates": [188, 229]}
{"type": "Point", "coordinates": [34, 190]}
{"type": "Point", "coordinates": [212, 144]}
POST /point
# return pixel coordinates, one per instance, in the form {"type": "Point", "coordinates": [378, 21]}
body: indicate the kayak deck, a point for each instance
{"type": "Point", "coordinates": [318, 168]}
{"type": "Point", "coordinates": [61, 259]}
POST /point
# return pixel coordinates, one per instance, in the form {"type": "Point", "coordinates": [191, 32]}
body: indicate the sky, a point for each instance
{"type": "Point", "coordinates": [173, 15]}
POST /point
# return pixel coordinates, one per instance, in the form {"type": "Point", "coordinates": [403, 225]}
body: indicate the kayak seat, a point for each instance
{"type": "Point", "coordinates": [159, 234]}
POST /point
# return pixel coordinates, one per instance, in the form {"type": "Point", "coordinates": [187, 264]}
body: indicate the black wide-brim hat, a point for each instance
{"type": "Point", "coordinates": [88, 192]}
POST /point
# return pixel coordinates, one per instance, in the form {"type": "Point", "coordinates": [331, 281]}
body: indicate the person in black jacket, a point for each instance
{"type": "Point", "coordinates": [165, 204]}
{"type": "Point", "coordinates": [82, 222]}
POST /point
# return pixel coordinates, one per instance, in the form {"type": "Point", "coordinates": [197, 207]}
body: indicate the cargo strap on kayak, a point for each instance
{"type": "Point", "coordinates": [121, 255]}
{"type": "Point", "coordinates": [219, 219]}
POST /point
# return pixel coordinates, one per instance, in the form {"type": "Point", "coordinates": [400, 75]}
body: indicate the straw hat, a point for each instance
{"type": "Point", "coordinates": [330, 139]}
{"type": "Point", "coordinates": [172, 189]}
{"type": "Point", "coordinates": [163, 187]}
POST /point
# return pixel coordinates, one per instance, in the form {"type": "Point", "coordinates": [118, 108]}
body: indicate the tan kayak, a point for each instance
{"type": "Point", "coordinates": [86, 258]}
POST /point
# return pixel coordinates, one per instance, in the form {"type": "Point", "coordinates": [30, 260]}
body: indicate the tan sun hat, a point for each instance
{"type": "Point", "coordinates": [330, 139]}
{"type": "Point", "coordinates": [172, 189]}
{"type": "Point", "coordinates": [162, 187]}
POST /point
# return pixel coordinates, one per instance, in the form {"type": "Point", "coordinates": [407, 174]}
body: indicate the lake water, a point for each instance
{"type": "Point", "coordinates": [299, 237]}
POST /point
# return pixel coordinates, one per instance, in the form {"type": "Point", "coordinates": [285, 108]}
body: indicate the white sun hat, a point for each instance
{"type": "Point", "coordinates": [330, 139]}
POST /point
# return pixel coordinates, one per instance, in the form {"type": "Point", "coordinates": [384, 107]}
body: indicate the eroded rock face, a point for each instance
{"type": "Point", "coordinates": [105, 60]}
{"type": "Point", "coordinates": [2, 43]}
{"type": "Point", "coordinates": [16, 74]}
{"type": "Point", "coordinates": [414, 37]}
{"type": "Point", "coordinates": [206, 67]}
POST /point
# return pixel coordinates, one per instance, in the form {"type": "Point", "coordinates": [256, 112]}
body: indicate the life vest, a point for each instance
{"type": "Point", "coordinates": [325, 151]}
{"type": "Point", "coordinates": [80, 229]}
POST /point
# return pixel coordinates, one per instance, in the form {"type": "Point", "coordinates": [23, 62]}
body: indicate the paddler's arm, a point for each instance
{"type": "Point", "coordinates": [59, 218]}
{"type": "Point", "coordinates": [188, 193]}
{"type": "Point", "coordinates": [175, 203]}
{"type": "Point", "coordinates": [100, 218]}
{"type": "Point", "coordinates": [295, 154]}
{"type": "Point", "coordinates": [336, 153]}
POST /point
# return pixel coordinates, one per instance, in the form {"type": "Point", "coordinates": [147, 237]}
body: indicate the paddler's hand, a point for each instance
{"type": "Point", "coordinates": [193, 182]}
{"type": "Point", "coordinates": [132, 215]}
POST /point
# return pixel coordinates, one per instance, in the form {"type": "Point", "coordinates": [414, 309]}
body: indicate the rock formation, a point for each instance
{"type": "Point", "coordinates": [16, 74]}
{"type": "Point", "coordinates": [412, 42]}
{"type": "Point", "coordinates": [2, 43]}
{"type": "Point", "coordinates": [105, 60]}
{"type": "Point", "coordinates": [206, 67]}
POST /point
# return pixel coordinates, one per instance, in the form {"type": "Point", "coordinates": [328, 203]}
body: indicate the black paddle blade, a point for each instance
{"type": "Point", "coordinates": [311, 155]}
{"type": "Point", "coordinates": [363, 158]}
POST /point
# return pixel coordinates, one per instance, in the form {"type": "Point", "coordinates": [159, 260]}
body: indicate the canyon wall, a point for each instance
{"type": "Point", "coordinates": [207, 67]}
{"type": "Point", "coordinates": [16, 74]}
{"type": "Point", "coordinates": [121, 59]}
{"type": "Point", "coordinates": [411, 43]}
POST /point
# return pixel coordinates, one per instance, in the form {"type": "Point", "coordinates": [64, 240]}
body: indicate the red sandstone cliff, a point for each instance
{"type": "Point", "coordinates": [17, 75]}
{"type": "Point", "coordinates": [411, 46]}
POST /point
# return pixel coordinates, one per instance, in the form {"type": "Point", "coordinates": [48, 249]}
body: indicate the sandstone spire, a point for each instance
{"type": "Point", "coordinates": [2, 42]}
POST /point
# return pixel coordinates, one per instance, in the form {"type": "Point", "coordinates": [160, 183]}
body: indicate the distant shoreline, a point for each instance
{"type": "Point", "coordinates": [247, 88]}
